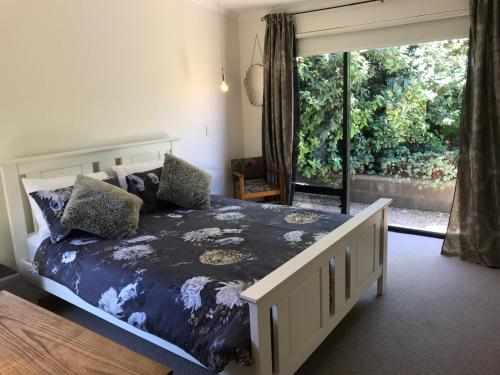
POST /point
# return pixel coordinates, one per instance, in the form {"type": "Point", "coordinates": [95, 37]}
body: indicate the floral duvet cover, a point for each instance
{"type": "Point", "coordinates": [181, 276]}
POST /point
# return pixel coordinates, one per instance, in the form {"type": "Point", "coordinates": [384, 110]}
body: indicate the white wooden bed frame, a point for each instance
{"type": "Point", "coordinates": [291, 311]}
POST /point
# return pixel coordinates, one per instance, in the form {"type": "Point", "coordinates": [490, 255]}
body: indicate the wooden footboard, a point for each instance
{"type": "Point", "coordinates": [293, 309]}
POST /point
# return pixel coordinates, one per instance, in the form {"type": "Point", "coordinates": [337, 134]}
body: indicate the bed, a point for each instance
{"type": "Point", "coordinates": [238, 284]}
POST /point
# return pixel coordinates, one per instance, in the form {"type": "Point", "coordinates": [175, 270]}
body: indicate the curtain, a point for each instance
{"type": "Point", "coordinates": [474, 228]}
{"type": "Point", "coordinates": [280, 106]}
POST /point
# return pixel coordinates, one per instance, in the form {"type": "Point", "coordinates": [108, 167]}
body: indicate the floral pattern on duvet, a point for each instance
{"type": "Point", "coordinates": [181, 277]}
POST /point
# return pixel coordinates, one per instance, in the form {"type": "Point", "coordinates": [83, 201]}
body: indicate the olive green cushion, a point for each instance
{"type": "Point", "coordinates": [102, 209]}
{"type": "Point", "coordinates": [184, 184]}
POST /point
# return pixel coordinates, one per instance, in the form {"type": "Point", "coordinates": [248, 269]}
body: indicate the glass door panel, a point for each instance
{"type": "Point", "coordinates": [405, 118]}
{"type": "Point", "coordinates": [320, 135]}
{"type": "Point", "coordinates": [323, 151]}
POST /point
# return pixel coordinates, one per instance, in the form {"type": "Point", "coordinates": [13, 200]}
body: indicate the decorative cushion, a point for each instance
{"type": "Point", "coordinates": [122, 171]}
{"type": "Point", "coordinates": [38, 184]}
{"type": "Point", "coordinates": [113, 181]}
{"type": "Point", "coordinates": [52, 204]}
{"type": "Point", "coordinates": [102, 209]}
{"type": "Point", "coordinates": [145, 185]}
{"type": "Point", "coordinates": [184, 184]}
{"type": "Point", "coordinates": [256, 186]}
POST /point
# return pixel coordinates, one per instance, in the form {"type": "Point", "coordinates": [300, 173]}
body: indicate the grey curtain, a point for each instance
{"type": "Point", "coordinates": [280, 106]}
{"type": "Point", "coordinates": [474, 229]}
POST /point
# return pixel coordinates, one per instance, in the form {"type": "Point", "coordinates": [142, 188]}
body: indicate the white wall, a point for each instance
{"type": "Point", "coordinates": [84, 73]}
{"type": "Point", "coordinates": [394, 22]}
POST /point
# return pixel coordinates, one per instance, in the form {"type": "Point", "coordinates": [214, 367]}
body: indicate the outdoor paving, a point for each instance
{"type": "Point", "coordinates": [410, 218]}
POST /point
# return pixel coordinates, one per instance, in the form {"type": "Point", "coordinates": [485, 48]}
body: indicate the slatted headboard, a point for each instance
{"type": "Point", "coordinates": [64, 164]}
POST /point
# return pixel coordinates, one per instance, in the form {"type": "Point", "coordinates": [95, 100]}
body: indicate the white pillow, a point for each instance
{"type": "Point", "coordinates": [123, 171]}
{"type": "Point", "coordinates": [31, 185]}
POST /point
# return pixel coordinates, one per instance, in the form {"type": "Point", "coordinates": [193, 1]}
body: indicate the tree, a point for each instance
{"type": "Point", "coordinates": [406, 104]}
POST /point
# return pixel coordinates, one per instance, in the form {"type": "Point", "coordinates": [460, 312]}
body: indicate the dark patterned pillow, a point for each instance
{"type": "Point", "coordinates": [53, 202]}
{"type": "Point", "coordinates": [101, 209]}
{"type": "Point", "coordinates": [184, 184]}
{"type": "Point", "coordinates": [113, 181]}
{"type": "Point", "coordinates": [145, 185]}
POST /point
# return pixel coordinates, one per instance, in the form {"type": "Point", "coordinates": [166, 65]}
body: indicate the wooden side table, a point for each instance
{"type": "Point", "coordinates": [35, 341]}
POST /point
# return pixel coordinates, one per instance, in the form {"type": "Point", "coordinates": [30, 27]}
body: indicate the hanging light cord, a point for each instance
{"type": "Point", "coordinates": [221, 44]}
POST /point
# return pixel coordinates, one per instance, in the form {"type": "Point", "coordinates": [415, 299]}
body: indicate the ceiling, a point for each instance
{"type": "Point", "coordinates": [245, 5]}
{"type": "Point", "coordinates": [249, 6]}
{"type": "Point", "coordinates": [241, 6]}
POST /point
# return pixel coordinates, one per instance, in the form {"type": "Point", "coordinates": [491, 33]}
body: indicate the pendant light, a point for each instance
{"type": "Point", "coordinates": [224, 87]}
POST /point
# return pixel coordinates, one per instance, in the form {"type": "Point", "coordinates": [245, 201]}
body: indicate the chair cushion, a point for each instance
{"type": "Point", "coordinates": [252, 168]}
{"type": "Point", "coordinates": [256, 186]}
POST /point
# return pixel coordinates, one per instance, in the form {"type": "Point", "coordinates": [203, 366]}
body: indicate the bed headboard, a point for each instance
{"type": "Point", "coordinates": [64, 164]}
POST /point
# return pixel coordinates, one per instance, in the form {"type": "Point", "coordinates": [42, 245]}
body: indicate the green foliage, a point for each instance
{"type": "Point", "coordinates": [405, 116]}
{"type": "Point", "coordinates": [429, 166]}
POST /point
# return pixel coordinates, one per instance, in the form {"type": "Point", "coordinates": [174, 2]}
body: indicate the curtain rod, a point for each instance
{"type": "Point", "coordinates": [334, 7]}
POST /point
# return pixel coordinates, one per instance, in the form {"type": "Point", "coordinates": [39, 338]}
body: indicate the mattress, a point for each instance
{"type": "Point", "coordinates": [181, 276]}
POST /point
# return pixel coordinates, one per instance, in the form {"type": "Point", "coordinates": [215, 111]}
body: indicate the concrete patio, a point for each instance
{"type": "Point", "coordinates": [431, 221]}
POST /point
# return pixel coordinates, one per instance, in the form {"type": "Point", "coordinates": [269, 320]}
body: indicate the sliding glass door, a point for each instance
{"type": "Point", "coordinates": [382, 123]}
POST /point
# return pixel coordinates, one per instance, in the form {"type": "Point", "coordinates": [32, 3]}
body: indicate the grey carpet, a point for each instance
{"type": "Point", "coordinates": [439, 316]}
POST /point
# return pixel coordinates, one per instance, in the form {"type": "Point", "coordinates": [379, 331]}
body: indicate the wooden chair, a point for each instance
{"type": "Point", "coordinates": [250, 180]}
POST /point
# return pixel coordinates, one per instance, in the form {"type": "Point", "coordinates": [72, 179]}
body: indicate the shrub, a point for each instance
{"type": "Point", "coordinates": [405, 113]}
{"type": "Point", "coordinates": [426, 166]}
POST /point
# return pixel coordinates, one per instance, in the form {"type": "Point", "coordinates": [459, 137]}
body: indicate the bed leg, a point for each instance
{"type": "Point", "coordinates": [260, 329]}
{"type": "Point", "coordinates": [382, 280]}
{"type": "Point", "coordinates": [381, 285]}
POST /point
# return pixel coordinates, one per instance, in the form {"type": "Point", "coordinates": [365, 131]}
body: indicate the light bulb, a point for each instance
{"type": "Point", "coordinates": [224, 87]}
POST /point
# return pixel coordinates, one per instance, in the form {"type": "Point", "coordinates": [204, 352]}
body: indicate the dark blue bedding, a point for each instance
{"type": "Point", "coordinates": [180, 278]}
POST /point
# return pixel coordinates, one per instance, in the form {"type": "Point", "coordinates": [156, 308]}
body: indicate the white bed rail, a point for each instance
{"type": "Point", "coordinates": [293, 309]}
{"type": "Point", "coordinates": [64, 164]}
